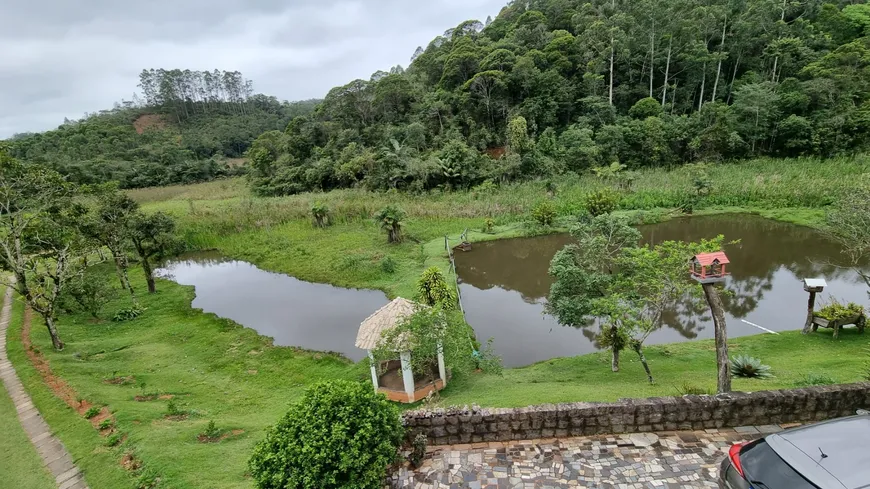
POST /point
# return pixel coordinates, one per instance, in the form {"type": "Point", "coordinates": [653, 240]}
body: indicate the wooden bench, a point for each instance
{"type": "Point", "coordinates": [859, 320]}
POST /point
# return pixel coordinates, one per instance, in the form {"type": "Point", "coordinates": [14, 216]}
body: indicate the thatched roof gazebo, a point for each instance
{"type": "Point", "coordinates": [397, 375]}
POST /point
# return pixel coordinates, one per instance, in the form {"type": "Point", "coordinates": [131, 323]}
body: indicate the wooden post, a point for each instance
{"type": "Point", "coordinates": [374, 370]}
{"type": "Point", "coordinates": [811, 305]}
{"type": "Point", "coordinates": [723, 364]}
{"type": "Point", "coordinates": [407, 375]}
{"type": "Point", "coordinates": [442, 370]}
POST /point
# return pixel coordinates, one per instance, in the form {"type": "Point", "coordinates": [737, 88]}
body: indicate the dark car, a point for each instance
{"type": "Point", "coordinates": [830, 455]}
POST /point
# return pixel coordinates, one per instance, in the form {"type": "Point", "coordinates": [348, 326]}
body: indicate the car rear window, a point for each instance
{"type": "Point", "coordinates": [766, 470]}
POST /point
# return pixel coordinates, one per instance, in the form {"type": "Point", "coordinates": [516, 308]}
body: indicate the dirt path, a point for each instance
{"type": "Point", "coordinates": [52, 451]}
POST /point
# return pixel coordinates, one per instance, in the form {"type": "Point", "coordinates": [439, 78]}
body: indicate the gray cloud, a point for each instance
{"type": "Point", "coordinates": [62, 58]}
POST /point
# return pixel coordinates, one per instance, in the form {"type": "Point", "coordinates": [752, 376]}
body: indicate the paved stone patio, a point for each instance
{"type": "Point", "coordinates": [687, 459]}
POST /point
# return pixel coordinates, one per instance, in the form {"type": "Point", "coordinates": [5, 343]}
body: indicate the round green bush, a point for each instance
{"type": "Point", "coordinates": [339, 435]}
{"type": "Point", "coordinates": [601, 202]}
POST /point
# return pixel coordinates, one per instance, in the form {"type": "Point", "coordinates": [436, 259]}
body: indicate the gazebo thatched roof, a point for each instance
{"type": "Point", "coordinates": [383, 319]}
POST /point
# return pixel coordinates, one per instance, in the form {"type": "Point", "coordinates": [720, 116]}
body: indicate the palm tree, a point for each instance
{"type": "Point", "coordinates": [390, 219]}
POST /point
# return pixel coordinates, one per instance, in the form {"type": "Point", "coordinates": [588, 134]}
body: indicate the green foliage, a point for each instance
{"type": "Point", "coordinates": [811, 379]}
{"type": "Point", "coordinates": [688, 389]}
{"type": "Point", "coordinates": [390, 219]}
{"type": "Point", "coordinates": [835, 311]}
{"type": "Point", "coordinates": [173, 409]}
{"type": "Point", "coordinates": [544, 213]}
{"type": "Point", "coordinates": [488, 225]}
{"type": "Point", "coordinates": [418, 450]}
{"type": "Point", "coordinates": [647, 107]}
{"type": "Point", "coordinates": [320, 214]}
{"type": "Point", "coordinates": [388, 265]}
{"type": "Point", "coordinates": [211, 432]}
{"type": "Point", "coordinates": [601, 202]}
{"type": "Point", "coordinates": [339, 435]}
{"type": "Point", "coordinates": [701, 180]}
{"type": "Point", "coordinates": [92, 411]}
{"type": "Point", "coordinates": [749, 367]}
{"type": "Point", "coordinates": [128, 313]}
{"type": "Point", "coordinates": [114, 439]}
{"type": "Point", "coordinates": [88, 293]}
{"type": "Point", "coordinates": [105, 424]}
{"type": "Point", "coordinates": [433, 290]}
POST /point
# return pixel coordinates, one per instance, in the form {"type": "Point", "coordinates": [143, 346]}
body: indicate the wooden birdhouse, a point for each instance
{"type": "Point", "coordinates": [709, 268]}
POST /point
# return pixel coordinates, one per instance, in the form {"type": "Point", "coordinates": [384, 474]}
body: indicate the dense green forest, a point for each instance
{"type": "Point", "coordinates": [188, 127]}
{"type": "Point", "coordinates": [555, 86]}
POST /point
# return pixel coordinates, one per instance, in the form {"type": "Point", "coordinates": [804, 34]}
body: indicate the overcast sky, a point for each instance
{"type": "Point", "coordinates": [62, 58]}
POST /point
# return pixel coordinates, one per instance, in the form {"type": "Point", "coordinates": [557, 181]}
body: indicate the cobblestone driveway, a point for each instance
{"type": "Point", "coordinates": [688, 459]}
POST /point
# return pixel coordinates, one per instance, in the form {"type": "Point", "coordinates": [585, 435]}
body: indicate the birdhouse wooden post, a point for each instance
{"type": "Point", "coordinates": [709, 269]}
{"type": "Point", "coordinates": [813, 286]}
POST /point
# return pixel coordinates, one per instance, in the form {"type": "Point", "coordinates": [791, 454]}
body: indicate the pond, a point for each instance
{"type": "Point", "coordinates": [295, 313]}
{"type": "Point", "coordinates": [505, 283]}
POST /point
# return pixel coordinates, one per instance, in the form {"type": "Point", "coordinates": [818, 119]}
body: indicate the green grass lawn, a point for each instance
{"type": "Point", "coordinates": [220, 371]}
{"type": "Point", "coordinates": [20, 465]}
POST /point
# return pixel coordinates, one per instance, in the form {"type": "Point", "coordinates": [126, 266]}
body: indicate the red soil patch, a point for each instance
{"type": "Point", "coordinates": [129, 462]}
{"type": "Point", "coordinates": [231, 434]}
{"type": "Point", "coordinates": [58, 386]}
{"type": "Point", "coordinates": [496, 153]}
{"type": "Point", "coordinates": [149, 121]}
{"type": "Point", "coordinates": [121, 380]}
{"type": "Point", "coordinates": [153, 397]}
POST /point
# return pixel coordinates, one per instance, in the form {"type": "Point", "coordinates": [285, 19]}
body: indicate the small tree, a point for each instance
{"type": "Point", "coordinates": [339, 435]}
{"type": "Point", "coordinates": [544, 213]}
{"type": "Point", "coordinates": [89, 292]}
{"type": "Point", "coordinates": [109, 225]}
{"type": "Point", "coordinates": [432, 289]}
{"type": "Point", "coordinates": [153, 237]}
{"type": "Point", "coordinates": [849, 224]}
{"type": "Point", "coordinates": [390, 219]}
{"type": "Point", "coordinates": [320, 213]}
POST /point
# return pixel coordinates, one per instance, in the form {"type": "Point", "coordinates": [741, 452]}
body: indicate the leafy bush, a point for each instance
{"type": "Point", "coordinates": [812, 379]}
{"type": "Point", "coordinates": [320, 214]}
{"type": "Point", "coordinates": [544, 213]}
{"type": "Point", "coordinates": [105, 424]}
{"type": "Point", "coordinates": [88, 293]}
{"type": "Point", "coordinates": [339, 435]}
{"type": "Point", "coordinates": [418, 450]}
{"type": "Point", "coordinates": [488, 224]}
{"type": "Point", "coordinates": [836, 311]}
{"type": "Point", "coordinates": [128, 313]}
{"type": "Point", "coordinates": [114, 439]}
{"type": "Point", "coordinates": [212, 432]}
{"type": "Point", "coordinates": [749, 367]}
{"type": "Point", "coordinates": [92, 411]}
{"type": "Point", "coordinates": [687, 389]}
{"type": "Point", "coordinates": [601, 202]}
{"type": "Point", "coordinates": [432, 289]}
{"type": "Point", "coordinates": [172, 409]}
{"type": "Point", "coordinates": [390, 219]}
{"type": "Point", "coordinates": [388, 265]}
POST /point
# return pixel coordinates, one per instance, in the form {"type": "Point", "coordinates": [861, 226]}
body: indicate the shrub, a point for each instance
{"type": "Point", "coordinates": [701, 181]}
{"type": "Point", "coordinates": [339, 435]}
{"type": "Point", "coordinates": [211, 431]}
{"type": "Point", "coordinates": [601, 202]}
{"type": "Point", "coordinates": [88, 293]}
{"type": "Point", "coordinates": [432, 289]}
{"type": "Point", "coordinates": [836, 311]}
{"type": "Point", "coordinates": [388, 265]}
{"type": "Point", "coordinates": [114, 439]}
{"type": "Point", "coordinates": [687, 389]}
{"type": "Point", "coordinates": [92, 411]}
{"type": "Point", "coordinates": [390, 219]}
{"type": "Point", "coordinates": [172, 409]}
{"type": "Point", "coordinates": [128, 313]}
{"type": "Point", "coordinates": [814, 379]}
{"type": "Point", "coordinates": [749, 367]}
{"type": "Point", "coordinates": [320, 214]}
{"type": "Point", "coordinates": [544, 213]}
{"type": "Point", "coordinates": [488, 224]}
{"type": "Point", "coordinates": [105, 424]}
{"type": "Point", "coordinates": [418, 450]}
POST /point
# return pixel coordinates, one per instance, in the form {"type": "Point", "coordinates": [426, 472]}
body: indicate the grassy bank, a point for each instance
{"type": "Point", "coordinates": [217, 370]}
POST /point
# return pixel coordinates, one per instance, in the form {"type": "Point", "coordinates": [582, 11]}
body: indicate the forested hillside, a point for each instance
{"type": "Point", "coordinates": [187, 127]}
{"type": "Point", "coordinates": [554, 86]}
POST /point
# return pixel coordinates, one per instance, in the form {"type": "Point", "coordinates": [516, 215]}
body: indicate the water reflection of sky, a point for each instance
{"type": "Point", "coordinates": [295, 313]}
{"type": "Point", "coordinates": [505, 284]}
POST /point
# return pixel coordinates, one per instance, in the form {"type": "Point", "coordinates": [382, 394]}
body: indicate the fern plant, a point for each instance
{"type": "Point", "coordinates": [749, 367]}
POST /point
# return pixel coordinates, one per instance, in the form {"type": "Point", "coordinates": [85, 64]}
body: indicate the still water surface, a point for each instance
{"type": "Point", "coordinates": [505, 283]}
{"type": "Point", "coordinates": [293, 312]}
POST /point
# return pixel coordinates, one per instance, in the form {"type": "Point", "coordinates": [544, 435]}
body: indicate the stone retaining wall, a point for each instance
{"type": "Point", "coordinates": [474, 425]}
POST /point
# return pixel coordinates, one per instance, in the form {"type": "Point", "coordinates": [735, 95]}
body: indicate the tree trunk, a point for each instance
{"type": "Point", "coordinates": [52, 331]}
{"type": "Point", "coordinates": [638, 348]}
{"type": "Point", "coordinates": [733, 77]}
{"type": "Point", "coordinates": [811, 305]}
{"type": "Point", "coordinates": [703, 82]}
{"type": "Point", "coordinates": [652, 57]}
{"type": "Point", "coordinates": [614, 359]}
{"type": "Point", "coordinates": [149, 275]}
{"type": "Point", "coordinates": [612, 55]}
{"type": "Point", "coordinates": [667, 73]}
{"type": "Point", "coordinates": [722, 363]}
{"type": "Point", "coordinates": [719, 67]}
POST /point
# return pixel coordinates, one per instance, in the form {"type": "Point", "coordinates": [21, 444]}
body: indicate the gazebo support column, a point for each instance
{"type": "Point", "coordinates": [374, 370]}
{"type": "Point", "coordinates": [407, 375]}
{"type": "Point", "coordinates": [442, 370]}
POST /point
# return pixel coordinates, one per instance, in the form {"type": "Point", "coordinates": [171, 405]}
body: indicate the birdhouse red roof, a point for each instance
{"type": "Point", "coordinates": [707, 259]}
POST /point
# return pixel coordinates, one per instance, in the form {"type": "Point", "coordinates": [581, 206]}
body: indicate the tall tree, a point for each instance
{"type": "Point", "coordinates": [153, 237]}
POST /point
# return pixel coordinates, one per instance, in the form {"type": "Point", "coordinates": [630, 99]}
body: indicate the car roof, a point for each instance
{"type": "Point", "coordinates": [844, 441]}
